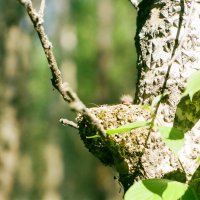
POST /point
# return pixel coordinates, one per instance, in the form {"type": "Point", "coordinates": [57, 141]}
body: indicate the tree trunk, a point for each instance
{"type": "Point", "coordinates": [168, 43]}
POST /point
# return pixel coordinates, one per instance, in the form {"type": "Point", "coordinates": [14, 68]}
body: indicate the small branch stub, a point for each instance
{"type": "Point", "coordinates": [126, 99]}
{"type": "Point", "coordinates": [42, 7]}
{"type": "Point", "coordinates": [67, 122]}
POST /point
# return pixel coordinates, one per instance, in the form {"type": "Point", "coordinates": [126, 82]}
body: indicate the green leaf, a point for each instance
{"type": "Point", "coordinates": [128, 127]}
{"type": "Point", "coordinates": [124, 128]}
{"type": "Point", "coordinates": [93, 136]}
{"type": "Point", "coordinates": [146, 107]}
{"type": "Point", "coordinates": [192, 85]}
{"type": "Point", "coordinates": [160, 189]}
{"type": "Point", "coordinates": [198, 159]}
{"type": "Point", "coordinates": [174, 138]}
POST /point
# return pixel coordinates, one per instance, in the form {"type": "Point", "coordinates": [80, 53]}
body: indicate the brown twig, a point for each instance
{"type": "Point", "coordinates": [64, 89]}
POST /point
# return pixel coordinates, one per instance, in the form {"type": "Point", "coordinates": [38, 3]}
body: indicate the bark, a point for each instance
{"type": "Point", "coordinates": [168, 44]}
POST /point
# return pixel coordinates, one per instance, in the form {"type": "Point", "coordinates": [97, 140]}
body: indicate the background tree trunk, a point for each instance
{"type": "Point", "coordinates": [9, 76]}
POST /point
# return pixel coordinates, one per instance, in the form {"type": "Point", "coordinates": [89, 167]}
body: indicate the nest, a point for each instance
{"type": "Point", "coordinates": [127, 152]}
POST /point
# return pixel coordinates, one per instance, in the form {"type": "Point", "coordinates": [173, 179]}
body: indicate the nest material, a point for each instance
{"type": "Point", "coordinates": [126, 151]}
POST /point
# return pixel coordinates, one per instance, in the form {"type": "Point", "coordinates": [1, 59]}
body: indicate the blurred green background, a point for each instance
{"type": "Point", "coordinates": [94, 45]}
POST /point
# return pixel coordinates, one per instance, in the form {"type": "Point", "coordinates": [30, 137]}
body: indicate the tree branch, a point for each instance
{"type": "Point", "coordinates": [63, 87]}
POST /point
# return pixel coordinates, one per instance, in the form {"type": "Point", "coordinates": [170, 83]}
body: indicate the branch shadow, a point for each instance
{"type": "Point", "coordinates": [195, 182]}
{"type": "Point", "coordinates": [186, 117]}
{"type": "Point", "coordinates": [187, 113]}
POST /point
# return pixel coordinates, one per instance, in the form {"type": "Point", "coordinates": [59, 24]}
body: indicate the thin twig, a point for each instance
{"type": "Point", "coordinates": [185, 33]}
{"type": "Point", "coordinates": [67, 122]}
{"type": "Point", "coordinates": [64, 89]}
